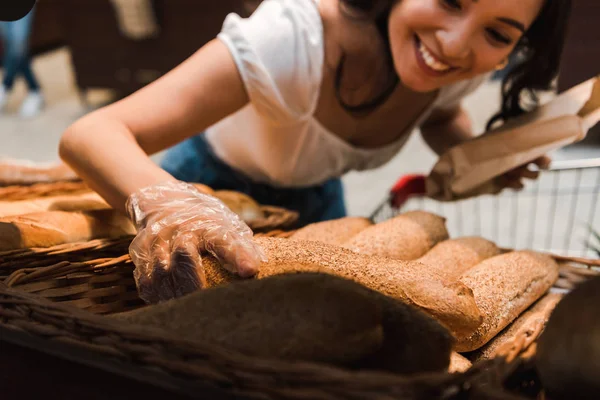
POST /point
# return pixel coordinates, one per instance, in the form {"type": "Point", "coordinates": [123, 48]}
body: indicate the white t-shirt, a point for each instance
{"type": "Point", "coordinates": [275, 138]}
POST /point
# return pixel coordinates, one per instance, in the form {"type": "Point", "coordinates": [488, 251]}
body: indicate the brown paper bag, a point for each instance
{"type": "Point", "coordinates": [469, 169]}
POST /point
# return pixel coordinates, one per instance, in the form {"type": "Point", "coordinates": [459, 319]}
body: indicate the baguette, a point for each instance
{"type": "Point", "coordinates": [335, 231]}
{"type": "Point", "coordinates": [52, 228]}
{"type": "Point", "coordinates": [504, 286]}
{"type": "Point", "coordinates": [72, 202]}
{"type": "Point", "coordinates": [242, 205]}
{"type": "Point", "coordinates": [405, 237]}
{"type": "Point", "coordinates": [451, 258]}
{"type": "Point", "coordinates": [458, 363]}
{"type": "Point", "coordinates": [532, 320]}
{"type": "Point", "coordinates": [452, 304]}
{"type": "Point", "coordinates": [310, 317]}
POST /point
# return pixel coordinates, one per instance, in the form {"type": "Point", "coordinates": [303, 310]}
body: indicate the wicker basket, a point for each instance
{"type": "Point", "coordinates": [158, 358]}
{"type": "Point", "coordinates": [55, 300]}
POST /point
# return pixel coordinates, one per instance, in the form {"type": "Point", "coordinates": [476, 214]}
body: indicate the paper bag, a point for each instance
{"type": "Point", "coordinates": [470, 168]}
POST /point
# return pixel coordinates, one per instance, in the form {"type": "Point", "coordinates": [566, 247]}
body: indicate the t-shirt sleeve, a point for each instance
{"type": "Point", "coordinates": [278, 51]}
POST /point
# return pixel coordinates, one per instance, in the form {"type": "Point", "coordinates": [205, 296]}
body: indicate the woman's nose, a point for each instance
{"type": "Point", "coordinates": [455, 42]}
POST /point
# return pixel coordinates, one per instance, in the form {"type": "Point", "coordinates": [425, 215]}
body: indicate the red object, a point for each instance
{"type": "Point", "coordinates": [405, 187]}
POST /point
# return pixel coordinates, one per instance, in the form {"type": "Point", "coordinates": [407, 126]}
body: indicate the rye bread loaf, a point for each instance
{"type": "Point", "coordinates": [52, 228]}
{"type": "Point", "coordinates": [504, 286]}
{"type": "Point", "coordinates": [452, 303]}
{"type": "Point", "coordinates": [452, 257]}
{"type": "Point", "coordinates": [532, 320]}
{"type": "Point", "coordinates": [458, 363]}
{"type": "Point", "coordinates": [306, 316]}
{"type": "Point", "coordinates": [335, 231]}
{"type": "Point", "coordinates": [407, 236]}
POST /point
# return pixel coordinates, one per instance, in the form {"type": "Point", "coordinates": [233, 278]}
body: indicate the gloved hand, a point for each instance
{"type": "Point", "coordinates": [175, 222]}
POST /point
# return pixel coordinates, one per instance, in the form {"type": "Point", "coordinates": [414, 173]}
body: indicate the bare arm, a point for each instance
{"type": "Point", "coordinates": [109, 148]}
{"type": "Point", "coordinates": [445, 130]}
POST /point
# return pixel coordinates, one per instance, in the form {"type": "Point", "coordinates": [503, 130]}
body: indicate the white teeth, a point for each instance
{"type": "Point", "coordinates": [431, 61]}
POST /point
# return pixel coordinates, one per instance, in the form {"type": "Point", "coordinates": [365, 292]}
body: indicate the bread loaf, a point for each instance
{"type": "Point", "coordinates": [244, 206]}
{"type": "Point", "coordinates": [532, 320]}
{"type": "Point", "coordinates": [452, 257]}
{"type": "Point", "coordinates": [504, 286]}
{"type": "Point", "coordinates": [70, 202]}
{"type": "Point", "coordinates": [458, 363]}
{"type": "Point", "coordinates": [335, 231]}
{"type": "Point", "coordinates": [52, 228]}
{"type": "Point", "coordinates": [311, 317]}
{"type": "Point", "coordinates": [405, 237]}
{"type": "Point", "coordinates": [412, 282]}
{"type": "Point", "coordinates": [203, 188]}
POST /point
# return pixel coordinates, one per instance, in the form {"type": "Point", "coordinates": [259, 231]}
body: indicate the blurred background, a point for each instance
{"type": "Point", "coordinates": [87, 53]}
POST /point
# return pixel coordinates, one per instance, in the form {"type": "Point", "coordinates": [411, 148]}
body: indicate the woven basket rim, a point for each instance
{"type": "Point", "coordinates": [145, 347]}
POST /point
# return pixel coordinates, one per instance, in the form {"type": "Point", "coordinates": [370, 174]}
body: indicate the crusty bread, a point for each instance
{"type": "Point", "coordinates": [68, 202]}
{"type": "Point", "coordinates": [311, 317]}
{"type": "Point", "coordinates": [335, 231]}
{"type": "Point", "coordinates": [452, 257]}
{"type": "Point", "coordinates": [203, 188]}
{"type": "Point", "coordinates": [458, 363]}
{"type": "Point", "coordinates": [504, 286]}
{"type": "Point", "coordinates": [244, 206]}
{"type": "Point", "coordinates": [52, 228]}
{"type": "Point", "coordinates": [452, 304]}
{"type": "Point", "coordinates": [534, 319]}
{"type": "Point", "coordinates": [407, 236]}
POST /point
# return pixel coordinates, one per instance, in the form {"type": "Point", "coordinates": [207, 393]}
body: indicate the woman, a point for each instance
{"type": "Point", "coordinates": [290, 99]}
{"type": "Point", "coordinates": [15, 40]}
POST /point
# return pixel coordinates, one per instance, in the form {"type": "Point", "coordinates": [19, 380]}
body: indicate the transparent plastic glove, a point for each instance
{"type": "Point", "coordinates": [175, 223]}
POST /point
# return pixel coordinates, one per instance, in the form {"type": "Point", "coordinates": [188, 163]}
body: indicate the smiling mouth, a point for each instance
{"type": "Point", "coordinates": [430, 63]}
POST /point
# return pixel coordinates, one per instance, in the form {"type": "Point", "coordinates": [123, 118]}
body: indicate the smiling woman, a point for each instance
{"type": "Point", "coordinates": [282, 117]}
{"type": "Point", "coordinates": [453, 40]}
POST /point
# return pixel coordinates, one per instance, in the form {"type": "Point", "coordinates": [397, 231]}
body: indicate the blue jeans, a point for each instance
{"type": "Point", "coordinates": [194, 161]}
{"type": "Point", "coordinates": [15, 38]}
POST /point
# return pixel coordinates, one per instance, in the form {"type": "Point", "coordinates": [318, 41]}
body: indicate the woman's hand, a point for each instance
{"type": "Point", "coordinates": [175, 224]}
{"type": "Point", "coordinates": [514, 179]}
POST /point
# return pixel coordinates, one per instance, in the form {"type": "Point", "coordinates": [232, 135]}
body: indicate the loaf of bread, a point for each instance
{"type": "Point", "coordinates": [452, 257]}
{"type": "Point", "coordinates": [244, 206]}
{"type": "Point", "coordinates": [504, 286]}
{"type": "Point", "coordinates": [407, 236]}
{"type": "Point", "coordinates": [68, 202]}
{"type": "Point", "coordinates": [309, 317]}
{"type": "Point", "coordinates": [336, 231]}
{"type": "Point", "coordinates": [532, 320]}
{"type": "Point", "coordinates": [452, 304]}
{"type": "Point", "coordinates": [52, 228]}
{"type": "Point", "coordinates": [203, 188]}
{"type": "Point", "coordinates": [458, 363]}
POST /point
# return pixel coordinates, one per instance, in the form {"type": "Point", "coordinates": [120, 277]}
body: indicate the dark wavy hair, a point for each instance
{"type": "Point", "coordinates": [535, 59]}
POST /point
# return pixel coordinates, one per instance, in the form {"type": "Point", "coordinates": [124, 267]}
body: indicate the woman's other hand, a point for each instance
{"type": "Point", "coordinates": [514, 179]}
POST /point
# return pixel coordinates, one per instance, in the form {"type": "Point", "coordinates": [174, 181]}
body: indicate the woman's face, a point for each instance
{"type": "Point", "coordinates": [438, 42]}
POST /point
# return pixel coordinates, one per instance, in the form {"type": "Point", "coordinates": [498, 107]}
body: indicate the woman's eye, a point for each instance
{"type": "Point", "coordinates": [454, 4]}
{"type": "Point", "coordinates": [498, 37]}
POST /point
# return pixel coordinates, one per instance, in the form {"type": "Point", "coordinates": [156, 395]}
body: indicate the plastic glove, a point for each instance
{"type": "Point", "coordinates": [175, 222]}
